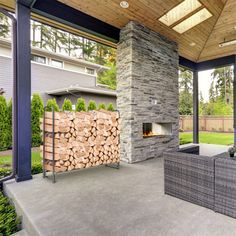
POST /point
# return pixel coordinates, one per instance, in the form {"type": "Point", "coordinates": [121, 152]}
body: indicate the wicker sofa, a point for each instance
{"type": "Point", "coordinates": [190, 177]}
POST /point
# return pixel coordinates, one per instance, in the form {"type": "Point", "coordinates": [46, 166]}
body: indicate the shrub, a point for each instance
{"type": "Point", "coordinates": [80, 105]}
{"type": "Point", "coordinates": [4, 125]}
{"type": "Point", "coordinates": [67, 105]}
{"type": "Point", "coordinates": [5, 172]}
{"type": "Point", "coordinates": [36, 113]}
{"type": "Point", "coordinates": [92, 105]}
{"type": "Point", "coordinates": [36, 168]}
{"type": "Point", "coordinates": [8, 218]}
{"type": "Point", "coordinates": [52, 103]}
{"type": "Point", "coordinates": [101, 106]}
{"type": "Point", "coordinates": [9, 107]}
{"type": "Point", "coordinates": [110, 107]}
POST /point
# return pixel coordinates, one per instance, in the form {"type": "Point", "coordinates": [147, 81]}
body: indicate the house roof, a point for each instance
{"type": "Point", "coordinates": [77, 88]}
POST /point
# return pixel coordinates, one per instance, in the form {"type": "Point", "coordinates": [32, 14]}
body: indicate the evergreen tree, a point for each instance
{"type": "Point", "coordinates": [101, 106]}
{"type": "Point", "coordinates": [110, 107]}
{"type": "Point", "coordinates": [5, 25]}
{"type": "Point", "coordinates": [9, 107]}
{"type": "Point", "coordinates": [80, 105]}
{"type": "Point", "coordinates": [185, 92]}
{"type": "Point", "coordinates": [52, 104]}
{"type": "Point", "coordinates": [36, 114]}
{"type": "Point", "coordinates": [67, 105]}
{"type": "Point", "coordinates": [4, 125]}
{"type": "Point", "coordinates": [222, 84]}
{"type": "Point", "coordinates": [92, 105]}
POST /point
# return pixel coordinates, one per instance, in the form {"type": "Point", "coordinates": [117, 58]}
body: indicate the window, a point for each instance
{"type": "Point", "coordinates": [57, 63]}
{"type": "Point", "coordinates": [192, 21]}
{"type": "Point", "coordinates": [38, 59]}
{"type": "Point", "coordinates": [180, 11]}
{"type": "Point", "coordinates": [90, 71]}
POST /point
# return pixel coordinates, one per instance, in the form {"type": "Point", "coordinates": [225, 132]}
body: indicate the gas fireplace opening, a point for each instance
{"type": "Point", "coordinates": [156, 129]}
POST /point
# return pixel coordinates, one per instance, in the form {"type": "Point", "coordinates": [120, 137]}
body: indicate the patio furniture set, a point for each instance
{"type": "Point", "coordinates": [206, 181]}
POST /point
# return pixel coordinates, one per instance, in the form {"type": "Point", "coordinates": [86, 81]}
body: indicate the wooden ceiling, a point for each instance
{"type": "Point", "coordinates": [206, 36]}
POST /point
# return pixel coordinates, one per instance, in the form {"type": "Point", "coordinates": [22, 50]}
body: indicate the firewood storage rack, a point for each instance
{"type": "Point", "coordinates": [54, 173]}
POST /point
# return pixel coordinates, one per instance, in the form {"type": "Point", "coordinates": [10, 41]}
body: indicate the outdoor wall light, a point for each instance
{"type": "Point", "coordinates": [227, 43]}
{"type": "Point", "coordinates": [124, 4]}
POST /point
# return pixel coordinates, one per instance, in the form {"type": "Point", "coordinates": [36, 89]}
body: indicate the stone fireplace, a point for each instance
{"type": "Point", "coordinates": [156, 129]}
{"type": "Point", "coordinates": [147, 84]}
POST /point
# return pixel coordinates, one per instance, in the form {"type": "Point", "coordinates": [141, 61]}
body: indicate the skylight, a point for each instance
{"type": "Point", "coordinates": [180, 11]}
{"type": "Point", "coordinates": [192, 21]}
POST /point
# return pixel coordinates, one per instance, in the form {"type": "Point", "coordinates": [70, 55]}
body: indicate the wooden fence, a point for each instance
{"type": "Point", "coordinates": [208, 123]}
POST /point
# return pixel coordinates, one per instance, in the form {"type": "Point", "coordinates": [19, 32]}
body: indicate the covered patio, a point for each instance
{"type": "Point", "coordinates": [152, 41]}
{"type": "Point", "coordinates": [101, 201]}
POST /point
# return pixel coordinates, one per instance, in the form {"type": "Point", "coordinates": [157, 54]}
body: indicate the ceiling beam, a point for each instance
{"type": "Point", "coordinates": [215, 63]}
{"type": "Point", "coordinates": [64, 14]}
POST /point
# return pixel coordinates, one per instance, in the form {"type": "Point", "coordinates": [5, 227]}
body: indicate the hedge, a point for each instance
{"type": "Point", "coordinates": [36, 114]}
{"type": "Point", "coordinates": [8, 218]}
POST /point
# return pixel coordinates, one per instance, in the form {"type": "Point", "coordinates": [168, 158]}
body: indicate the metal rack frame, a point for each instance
{"type": "Point", "coordinates": [111, 165]}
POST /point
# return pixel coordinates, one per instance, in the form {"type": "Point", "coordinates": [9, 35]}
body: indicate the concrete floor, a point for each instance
{"type": "Point", "coordinates": [103, 201]}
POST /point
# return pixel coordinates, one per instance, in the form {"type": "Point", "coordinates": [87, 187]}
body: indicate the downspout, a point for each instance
{"type": "Point", "coordinates": [14, 63]}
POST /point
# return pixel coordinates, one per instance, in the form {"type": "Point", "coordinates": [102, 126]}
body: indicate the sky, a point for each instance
{"type": "Point", "coordinates": [204, 82]}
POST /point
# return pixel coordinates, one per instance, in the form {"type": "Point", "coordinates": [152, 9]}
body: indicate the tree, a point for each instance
{"type": "Point", "coordinates": [110, 107]}
{"type": "Point", "coordinates": [221, 86]}
{"type": "Point", "coordinates": [108, 77]}
{"type": "Point", "coordinates": [101, 106]}
{"type": "Point", "coordinates": [80, 105]}
{"type": "Point", "coordinates": [67, 105]}
{"type": "Point", "coordinates": [4, 125]}
{"type": "Point", "coordinates": [52, 104]}
{"type": "Point", "coordinates": [36, 114]}
{"type": "Point", "coordinates": [92, 105]}
{"type": "Point", "coordinates": [185, 92]}
{"type": "Point", "coordinates": [4, 26]}
{"type": "Point", "coordinates": [9, 107]}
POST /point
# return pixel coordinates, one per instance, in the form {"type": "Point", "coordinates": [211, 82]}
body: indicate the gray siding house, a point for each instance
{"type": "Point", "coordinates": [57, 76]}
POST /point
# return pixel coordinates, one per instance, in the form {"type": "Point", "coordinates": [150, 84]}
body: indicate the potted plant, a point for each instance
{"type": "Point", "coordinates": [231, 151]}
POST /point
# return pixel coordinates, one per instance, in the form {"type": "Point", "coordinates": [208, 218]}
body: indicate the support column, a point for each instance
{"type": "Point", "coordinates": [234, 94]}
{"type": "Point", "coordinates": [195, 108]}
{"type": "Point", "coordinates": [22, 95]}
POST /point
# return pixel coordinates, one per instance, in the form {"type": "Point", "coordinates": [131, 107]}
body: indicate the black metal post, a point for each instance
{"type": "Point", "coordinates": [22, 95]}
{"type": "Point", "coordinates": [234, 93]}
{"type": "Point", "coordinates": [195, 108]}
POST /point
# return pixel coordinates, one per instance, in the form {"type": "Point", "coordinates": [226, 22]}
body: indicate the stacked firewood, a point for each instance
{"type": "Point", "coordinates": [81, 139]}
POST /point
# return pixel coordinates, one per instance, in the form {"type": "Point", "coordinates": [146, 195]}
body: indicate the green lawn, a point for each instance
{"type": "Point", "coordinates": [208, 137]}
{"type": "Point", "coordinates": [5, 161]}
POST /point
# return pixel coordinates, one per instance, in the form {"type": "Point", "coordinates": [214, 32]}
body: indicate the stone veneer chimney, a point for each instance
{"type": "Point", "coordinates": [147, 84]}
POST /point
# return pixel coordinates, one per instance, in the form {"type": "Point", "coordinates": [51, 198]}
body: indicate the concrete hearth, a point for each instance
{"type": "Point", "coordinates": [147, 67]}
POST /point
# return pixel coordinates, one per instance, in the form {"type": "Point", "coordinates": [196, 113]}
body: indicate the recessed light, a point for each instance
{"type": "Point", "coordinates": [192, 44]}
{"type": "Point", "coordinates": [235, 27]}
{"type": "Point", "coordinates": [124, 4]}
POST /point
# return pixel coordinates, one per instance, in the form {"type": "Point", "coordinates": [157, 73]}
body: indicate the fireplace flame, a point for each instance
{"type": "Point", "coordinates": [148, 134]}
